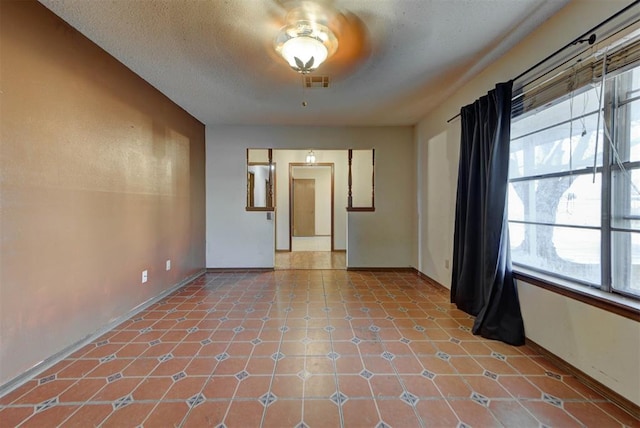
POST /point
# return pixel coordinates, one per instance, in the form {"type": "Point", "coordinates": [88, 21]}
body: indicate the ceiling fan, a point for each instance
{"type": "Point", "coordinates": [315, 36]}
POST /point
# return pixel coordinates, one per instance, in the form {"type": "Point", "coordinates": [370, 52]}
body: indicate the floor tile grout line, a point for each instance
{"type": "Point", "coordinates": [369, 380]}
{"type": "Point", "coordinates": [333, 360]}
{"type": "Point", "coordinates": [391, 285]}
{"type": "Point", "coordinates": [103, 377]}
{"type": "Point", "coordinates": [168, 389]}
{"type": "Point", "coordinates": [212, 375]}
{"type": "Point", "coordinates": [448, 362]}
{"type": "Point", "coordinates": [395, 370]}
{"type": "Point", "coordinates": [375, 400]}
{"type": "Point", "coordinates": [275, 366]}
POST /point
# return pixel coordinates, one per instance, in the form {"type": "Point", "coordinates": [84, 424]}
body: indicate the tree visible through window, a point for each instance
{"type": "Point", "coordinates": [574, 200]}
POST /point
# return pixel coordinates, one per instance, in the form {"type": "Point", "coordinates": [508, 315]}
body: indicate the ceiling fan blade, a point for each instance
{"type": "Point", "coordinates": [354, 44]}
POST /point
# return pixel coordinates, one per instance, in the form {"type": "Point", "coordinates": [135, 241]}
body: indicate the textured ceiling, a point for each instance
{"type": "Point", "coordinates": [396, 60]}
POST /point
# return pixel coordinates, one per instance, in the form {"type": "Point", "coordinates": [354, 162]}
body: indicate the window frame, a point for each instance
{"type": "Point", "coordinates": [603, 295]}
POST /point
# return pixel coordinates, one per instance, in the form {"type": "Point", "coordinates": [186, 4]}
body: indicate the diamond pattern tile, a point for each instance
{"type": "Point", "coordinates": [303, 374]}
{"type": "Point", "coordinates": [443, 356]}
{"type": "Point", "coordinates": [490, 375]}
{"type": "Point", "coordinates": [176, 377]}
{"type": "Point", "coordinates": [122, 401]}
{"type": "Point", "coordinates": [165, 357]}
{"type": "Point", "coordinates": [114, 377]}
{"type": "Point", "coordinates": [366, 374]}
{"type": "Point", "coordinates": [222, 357]}
{"type": "Point", "coordinates": [409, 398]}
{"type": "Point", "coordinates": [428, 374]}
{"type": "Point", "coordinates": [195, 400]}
{"type": "Point", "coordinates": [46, 404]}
{"type": "Point", "coordinates": [480, 399]}
{"type": "Point", "coordinates": [268, 399]}
{"type": "Point", "coordinates": [498, 356]}
{"type": "Point", "coordinates": [338, 398]}
{"type": "Point", "coordinates": [107, 358]}
{"type": "Point", "coordinates": [375, 349]}
{"type": "Point", "coordinates": [547, 398]}
{"type": "Point", "coordinates": [48, 379]}
{"type": "Point", "coordinates": [277, 356]}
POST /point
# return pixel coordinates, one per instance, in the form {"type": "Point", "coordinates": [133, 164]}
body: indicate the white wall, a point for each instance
{"type": "Point", "coordinates": [384, 238]}
{"type": "Point", "coordinates": [603, 345]}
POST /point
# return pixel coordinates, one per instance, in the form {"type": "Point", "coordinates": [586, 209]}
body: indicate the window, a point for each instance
{"type": "Point", "coordinates": [574, 175]}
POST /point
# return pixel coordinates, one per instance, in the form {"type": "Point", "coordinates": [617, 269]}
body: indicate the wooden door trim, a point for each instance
{"type": "Point", "coordinates": [302, 164]}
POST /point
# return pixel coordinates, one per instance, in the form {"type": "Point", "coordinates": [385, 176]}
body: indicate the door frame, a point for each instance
{"type": "Point", "coordinates": [309, 165]}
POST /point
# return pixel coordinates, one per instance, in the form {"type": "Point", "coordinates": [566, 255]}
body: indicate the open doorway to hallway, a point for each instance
{"type": "Point", "coordinates": [311, 260]}
{"type": "Point", "coordinates": [311, 207]}
{"type": "Point", "coordinates": [310, 228]}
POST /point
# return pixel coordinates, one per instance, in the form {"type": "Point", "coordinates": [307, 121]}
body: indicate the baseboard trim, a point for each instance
{"type": "Point", "coordinates": [608, 393]}
{"type": "Point", "coordinates": [381, 269]}
{"type": "Point", "coordinates": [49, 362]}
{"type": "Point", "coordinates": [238, 269]}
{"type": "Point", "coordinates": [431, 280]}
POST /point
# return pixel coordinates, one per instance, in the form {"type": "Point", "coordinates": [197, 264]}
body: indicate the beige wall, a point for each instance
{"type": "Point", "coordinates": [101, 177]}
{"type": "Point", "coordinates": [603, 345]}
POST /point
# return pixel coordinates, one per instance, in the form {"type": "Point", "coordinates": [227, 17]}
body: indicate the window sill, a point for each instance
{"type": "Point", "coordinates": [610, 302]}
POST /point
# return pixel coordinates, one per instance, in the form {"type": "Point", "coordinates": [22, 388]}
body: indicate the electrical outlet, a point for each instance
{"type": "Point", "coordinates": [144, 276]}
{"type": "Point", "coordinates": [446, 264]}
{"type": "Point", "coordinates": [168, 265]}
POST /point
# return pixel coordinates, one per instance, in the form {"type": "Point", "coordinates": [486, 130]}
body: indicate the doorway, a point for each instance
{"type": "Point", "coordinates": [303, 199]}
{"type": "Point", "coordinates": [311, 207]}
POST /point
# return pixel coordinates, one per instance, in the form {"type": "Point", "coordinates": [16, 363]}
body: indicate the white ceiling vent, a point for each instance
{"type": "Point", "coordinates": [315, 81]}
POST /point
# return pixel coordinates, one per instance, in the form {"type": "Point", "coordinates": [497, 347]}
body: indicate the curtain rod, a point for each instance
{"type": "Point", "coordinates": [581, 39]}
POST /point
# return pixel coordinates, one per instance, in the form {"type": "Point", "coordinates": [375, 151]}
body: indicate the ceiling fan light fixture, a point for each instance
{"type": "Point", "coordinates": [305, 45]}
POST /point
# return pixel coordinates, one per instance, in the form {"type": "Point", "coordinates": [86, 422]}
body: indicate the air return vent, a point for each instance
{"type": "Point", "coordinates": [315, 81]}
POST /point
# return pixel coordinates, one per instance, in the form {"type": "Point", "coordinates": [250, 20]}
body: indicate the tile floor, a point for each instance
{"type": "Point", "coordinates": [311, 260]}
{"type": "Point", "coordinates": [298, 348]}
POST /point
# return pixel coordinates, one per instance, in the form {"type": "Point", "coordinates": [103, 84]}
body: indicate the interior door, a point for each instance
{"type": "Point", "coordinates": [304, 207]}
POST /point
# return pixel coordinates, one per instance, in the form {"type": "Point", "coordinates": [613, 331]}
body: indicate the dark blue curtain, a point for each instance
{"type": "Point", "coordinates": [482, 282]}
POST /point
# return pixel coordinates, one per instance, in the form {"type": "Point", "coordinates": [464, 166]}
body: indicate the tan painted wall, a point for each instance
{"type": "Point", "coordinates": [101, 177]}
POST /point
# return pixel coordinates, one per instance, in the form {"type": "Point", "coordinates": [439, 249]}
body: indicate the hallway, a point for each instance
{"type": "Point", "coordinates": [311, 260]}
{"type": "Point", "coordinates": [302, 348]}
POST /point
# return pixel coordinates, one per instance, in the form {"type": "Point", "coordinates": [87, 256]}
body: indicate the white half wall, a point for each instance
{"type": "Point", "coordinates": [384, 238]}
{"type": "Point", "coordinates": [603, 345]}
